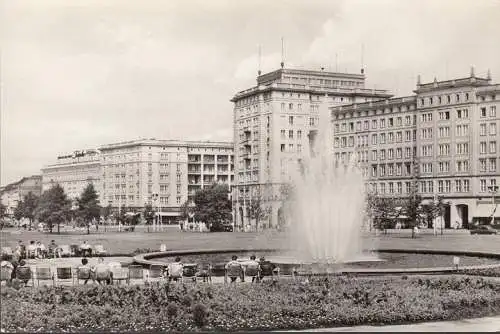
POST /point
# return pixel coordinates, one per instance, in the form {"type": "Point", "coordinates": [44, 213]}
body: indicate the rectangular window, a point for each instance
{"type": "Point", "coordinates": [290, 120]}
{"type": "Point", "coordinates": [482, 147]}
{"type": "Point", "coordinates": [493, 147]}
{"type": "Point", "coordinates": [482, 186]}
{"type": "Point", "coordinates": [493, 129]}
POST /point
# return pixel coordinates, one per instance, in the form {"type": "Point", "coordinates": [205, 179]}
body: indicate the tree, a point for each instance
{"type": "Point", "coordinates": [212, 204]}
{"type": "Point", "coordinates": [382, 210]}
{"type": "Point", "coordinates": [3, 210]}
{"type": "Point", "coordinates": [53, 207]}
{"type": "Point", "coordinates": [88, 206]}
{"type": "Point", "coordinates": [258, 211]}
{"type": "Point", "coordinates": [106, 211]}
{"type": "Point", "coordinates": [26, 208]}
{"type": "Point", "coordinates": [149, 214]}
{"type": "Point", "coordinates": [413, 209]}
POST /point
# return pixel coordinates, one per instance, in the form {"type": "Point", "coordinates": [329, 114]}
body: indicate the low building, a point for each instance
{"type": "Point", "coordinates": [13, 193]}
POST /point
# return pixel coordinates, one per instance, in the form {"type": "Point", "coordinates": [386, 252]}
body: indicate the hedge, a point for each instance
{"type": "Point", "coordinates": [319, 302]}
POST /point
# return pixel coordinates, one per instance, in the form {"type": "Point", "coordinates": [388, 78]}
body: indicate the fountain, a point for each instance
{"type": "Point", "coordinates": [328, 204]}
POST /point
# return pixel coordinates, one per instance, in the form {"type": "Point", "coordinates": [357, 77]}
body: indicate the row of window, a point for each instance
{"type": "Point", "coordinates": [492, 129]}
{"type": "Point", "coordinates": [381, 123]}
{"type": "Point", "coordinates": [382, 138]}
{"type": "Point", "coordinates": [291, 134]}
{"type": "Point", "coordinates": [164, 200]}
{"type": "Point", "coordinates": [291, 148]}
{"type": "Point", "coordinates": [432, 100]}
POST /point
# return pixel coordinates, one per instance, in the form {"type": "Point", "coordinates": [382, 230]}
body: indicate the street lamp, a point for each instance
{"type": "Point", "coordinates": [191, 207]}
{"type": "Point", "coordinates": [155, 198]}
{"type": "Point", "coordinates": [493, 190]}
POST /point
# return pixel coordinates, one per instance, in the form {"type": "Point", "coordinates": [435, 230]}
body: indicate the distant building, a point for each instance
{"type": "Point", "coordinates": [13, 193]}
{"type": "Point", "coordinates": [73, 172]}
{"type": "Point", "coordinates": [163, 173]}
{"type": "Point", "coordinates": [444, 140]}
{"type": "Point", "coordinates": [272, 122]}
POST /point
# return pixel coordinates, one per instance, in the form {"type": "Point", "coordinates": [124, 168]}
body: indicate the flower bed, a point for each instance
{"type": "Point", "coordinates": [335, 301]}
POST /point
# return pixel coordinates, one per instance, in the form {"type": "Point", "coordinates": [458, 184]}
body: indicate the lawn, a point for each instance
{"type": "Point", "coordinates": [321, 302]}
{"type": "Point", "coordinates": [128, 242]}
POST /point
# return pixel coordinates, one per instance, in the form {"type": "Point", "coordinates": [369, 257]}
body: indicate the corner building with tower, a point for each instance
{"type": "Point", "coordinates": [444, 140]}
{"type": "Point", "coordinates": [272, 122]}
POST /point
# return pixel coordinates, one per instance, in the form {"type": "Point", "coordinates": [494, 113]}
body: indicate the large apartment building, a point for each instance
{"type": "Point", "coordinates": [73, 172]}
{"type": "Point", "coordinates": [163, 173]}
{"type": "Point", "coordinates": [272, 122]}
{"type": "Point", "coordinates": [444, 140]}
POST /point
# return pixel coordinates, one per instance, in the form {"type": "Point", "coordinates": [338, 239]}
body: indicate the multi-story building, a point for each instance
{"type": "Point", "coordinates": [13, 193]}
{"type": "Point", "coordinates": [73, 172]}
{"type": "Point", "coordinates": [444, 140]}
{"type": "Point", "coordinates": [163, 173]}
{"type": "Point", "coordinates": [272, 122]}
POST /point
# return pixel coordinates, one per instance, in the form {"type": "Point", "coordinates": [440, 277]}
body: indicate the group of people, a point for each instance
{"type": "Point", "coordinates": [14, 266]}
{"type": "Point", "coordinates": [174, 270]}
{"type": "Point", "coordinates": [36, 250]}
{"type": "Point", "coordinates": [253, 268]}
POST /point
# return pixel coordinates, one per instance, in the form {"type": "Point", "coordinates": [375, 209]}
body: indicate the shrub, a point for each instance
{"type": "Point", "coordinates": [172, 310]}
{"type": "Point", "coordinates": [200, 313]}
{"type": "Point", "coordinates": [337, 301]}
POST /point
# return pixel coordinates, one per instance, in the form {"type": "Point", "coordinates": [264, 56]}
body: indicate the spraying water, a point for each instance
{"type": "Point", "coordinates": [328, 204]}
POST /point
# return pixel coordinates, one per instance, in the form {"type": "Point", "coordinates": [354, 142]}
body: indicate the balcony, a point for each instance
{"type": "Point", "coordinates": [194, 160]}
{"type": "Point", "coordinates": [208, 179]}
{"type": "Point", "coordinates": [222, 159]}
{"type": "Point", "coordinates": [209, 171]}
{"type": "Point", "coordinates": [192, 170]}
{"type": "Point", "coordinates": [194, 180]}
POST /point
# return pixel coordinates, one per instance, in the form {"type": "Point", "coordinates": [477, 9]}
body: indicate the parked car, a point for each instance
{"type": "Point", "coordinates": [483, 229]}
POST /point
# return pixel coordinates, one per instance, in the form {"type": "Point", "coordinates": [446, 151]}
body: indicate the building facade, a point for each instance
{"type": "Point", "coordinates": [443, 140]}
{"type": "Point", "coordinates": [272, 122]}
{"type": "Point", "coordinates": [73, 172]}
{"type": "Point", "coordinates": [163, 173]}
{"type": "Point", "coordinates": [13, 193]}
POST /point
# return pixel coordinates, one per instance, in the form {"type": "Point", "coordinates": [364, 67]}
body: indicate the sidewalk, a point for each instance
{"type": "Point", "coordinates": [488, 324]}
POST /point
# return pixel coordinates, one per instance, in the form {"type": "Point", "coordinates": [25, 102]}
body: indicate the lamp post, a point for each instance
{"type": "Point", "coordinates": [493, 190]}
{"type": "Point", "coordinates": [191, 207]}
{"type": "Point", "coordinates": [155, 198]}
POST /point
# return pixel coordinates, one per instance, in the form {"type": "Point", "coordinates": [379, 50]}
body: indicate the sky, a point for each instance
{"type": "Point", "coordinates": [79, 74]}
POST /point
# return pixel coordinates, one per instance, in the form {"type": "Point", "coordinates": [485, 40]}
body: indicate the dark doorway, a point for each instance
{"type": "Point", "coordinates": [447, 216]}
{"type": "Point", "coordinates": [463, 210]}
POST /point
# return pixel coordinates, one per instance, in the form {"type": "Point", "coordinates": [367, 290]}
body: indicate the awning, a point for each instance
{"type": "Point", "coordinates": [485, 211]}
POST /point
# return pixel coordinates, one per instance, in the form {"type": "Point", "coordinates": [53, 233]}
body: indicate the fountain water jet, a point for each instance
{"type": "Point", "coordinates": [328, 202]}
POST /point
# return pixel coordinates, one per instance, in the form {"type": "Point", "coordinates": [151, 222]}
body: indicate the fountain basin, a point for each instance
{"type": "Point", "coordinates": [387, 261]}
